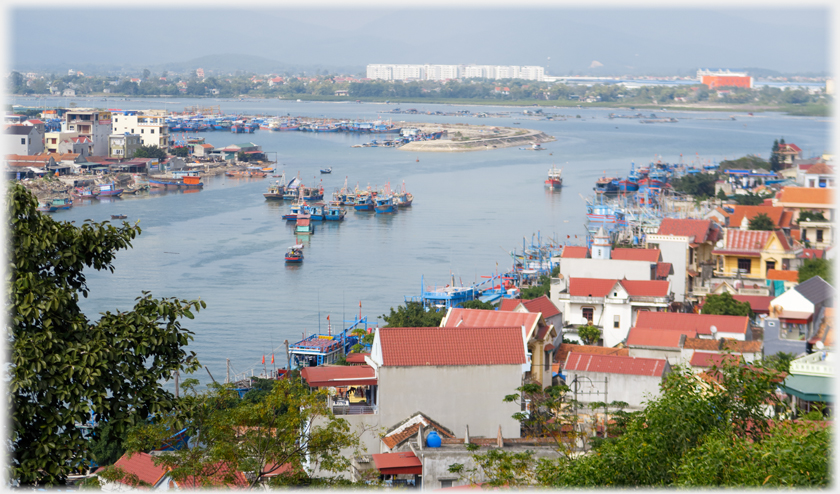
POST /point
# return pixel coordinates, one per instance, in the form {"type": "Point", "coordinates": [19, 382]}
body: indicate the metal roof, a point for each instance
{"type": "Point", "coordinates": [815, 289]}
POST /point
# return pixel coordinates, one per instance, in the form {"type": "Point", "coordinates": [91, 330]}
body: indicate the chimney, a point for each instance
{"type": "Point", "coordinates": [467, 435]}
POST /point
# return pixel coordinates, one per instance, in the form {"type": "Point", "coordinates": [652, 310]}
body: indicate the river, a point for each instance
{"type": "Point", "coordinates": [225, 244]}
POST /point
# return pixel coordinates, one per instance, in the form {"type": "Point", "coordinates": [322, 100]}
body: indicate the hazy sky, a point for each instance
{"type": "Point", "coordinates": [648, 38]}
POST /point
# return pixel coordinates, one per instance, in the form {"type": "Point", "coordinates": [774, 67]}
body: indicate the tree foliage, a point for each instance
{"type": "Point", "coordinates": [180, 151]}
{"type": "Point", "coordinates": [289, 432]}
{"type": "Point", "coordinates": [413, 315]}
{"type": "Point", "coordinates": [761, 222]}
{"type": "Point", "coordinates": [700, 185]}
{"type": "Point", "coordinates": [810, 216]}
{"type": "Point", "coordinates": [589, 334]}
{"type": "Point", "coordinates": [65, 370]}
{"type": "Point", "coordinates": [478, 304]}
{"type": "Point", "coordinates": [725, 305]}
{"type": "Point", "coordinates": [150, 152]}
{"type": "Point", "coordinates": [815, 267]}
{"type": "Point", "coordinates": [750, 199]}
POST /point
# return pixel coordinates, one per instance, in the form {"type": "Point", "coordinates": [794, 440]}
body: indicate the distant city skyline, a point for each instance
{"type": "Point", "coordinates": [565, 40]}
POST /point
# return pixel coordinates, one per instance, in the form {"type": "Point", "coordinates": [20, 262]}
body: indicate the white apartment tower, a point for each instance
{"type": "Point", "coordinates": [150, 125]}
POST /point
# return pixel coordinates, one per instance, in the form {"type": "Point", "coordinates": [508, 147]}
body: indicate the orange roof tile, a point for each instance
{"type": "Point", "coordinates": [682, 227]}
{"type": "Point", "coordinates": [613, 364]}
{"type": "Point", "coordinates": [452, 346]}
{"type": "Point", "coordinates": [478, 318]}
{"type": "Point", "coordinates": [810, 196]}
{"type": "Point", "coordinates": [707, 359]}
{"type": "Point", "coordinates": [701, 323]}
{"type": "Point", "coordinates": [665, 338]}
{"type": "Point", "coordinates": [646, 288]}
{"type": "Point", "coordinates": [142, 465]}
{"type": "Point", "coordinates": [773, 212]}
{"type": "Point", "coordinates": [590, 287]}
{"type": "Point", "coordinates": [820, 169]}
{"type": "Point", "coordinates": [509, 304]}
{"type": "Point", "coordinates": [747, 242]}
{"type": "Point", "coordinates": [543, 305]}
{"type": "Point", "coordinates": [651, 255]}
{"type": "Point", "coordinates": [574, 252]}
{"type": "Point", "coordinates": [701, 344]}
{"type": "Point", "coordinates": [566, 348]}
{"type": "Point", "coordinates": [783, 275]}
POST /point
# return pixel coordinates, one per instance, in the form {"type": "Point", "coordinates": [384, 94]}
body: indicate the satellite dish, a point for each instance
{"type": "Point", "coordinates": [332, 391]}
{"type": "Point", "coordinates": [713, 329]}
{"type": "Point", "coordinates": [719, 244]}
{"type": "Point", "coordinates": [819, 345]}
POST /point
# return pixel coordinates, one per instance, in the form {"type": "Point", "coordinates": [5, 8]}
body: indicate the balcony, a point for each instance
{"type": "Point", "coordinates": [342, 406]}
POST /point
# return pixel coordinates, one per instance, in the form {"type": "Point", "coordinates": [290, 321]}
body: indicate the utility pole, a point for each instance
{"type": "Point", "coordinates": [288, 357]}
{"type": "Point", "coordinates": [227, 369]}
{"type": "Point", "coordinates": [176, 382]}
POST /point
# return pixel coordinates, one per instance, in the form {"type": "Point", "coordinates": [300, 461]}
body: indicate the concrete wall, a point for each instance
{"type": "Point", "coordinates": [674, 356]}
{"type": "Point", "coordinates": [633, 389]}
{"type": "Point", "coordinates": [774, 343]}
{"type": "Point", "coordinates": [605, 268]}
{"type": "Point", "coordinates": [454, 396]}
{"type": "Point", "coordinates": [370, 441]}
{"type": "Point", "coordinates": [675, 251]}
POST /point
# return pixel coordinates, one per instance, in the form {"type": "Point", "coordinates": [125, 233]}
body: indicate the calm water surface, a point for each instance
{"type": "Point", "coordinates": [225, 244]}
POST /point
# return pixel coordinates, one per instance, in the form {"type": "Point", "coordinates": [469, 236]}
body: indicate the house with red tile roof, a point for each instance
{"type": "Point", "coordinates": [633, 380]}
{"type": "Point", "coordinates": [707, 326]}
{"type": "Point", "coordinates": [610, 304]}
{"type": "Point", "coordinates": [687, 244]}
{"type": "Point", "coordinates": [458, 375]}
{"type": "Point", "coordinates": [538, 334]}
{"type": "Point", "coordinates": [751, 253]}
{"type": "Point", "coordinates": [140, 471]}
{"type": "Point", "coordinates": [796, 199]}
{"type": "Point", "coordinates": [649, 255]}
{"type": "Point", "coordinates": [698, 350]}
{"type": "Point", "coordinates": [788, 152]}
{"type": "Point", "coordinates": [742, 215]}
{"type": "Point", "coordinates": [658, 343]}
{"type": "Point", "coordinates": [575, 252]}
{"type": "Point", "coordinates": [543, 305]}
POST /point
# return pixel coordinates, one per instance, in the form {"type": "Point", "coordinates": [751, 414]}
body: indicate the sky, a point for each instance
{"type": "Point", "coordinates": [568, 39]}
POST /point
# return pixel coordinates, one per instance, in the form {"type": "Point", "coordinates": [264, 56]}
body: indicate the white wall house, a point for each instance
{"type": "Point", "coordinates": [23, 140]}
{"type": "Point", "coordinates": [633, 380]}
{"type": "Point", "coordinates": [94, 124]}
{"type": "Point", "coordinates": [150, 125]}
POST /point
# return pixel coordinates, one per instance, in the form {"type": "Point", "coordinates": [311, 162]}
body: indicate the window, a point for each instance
{"type": "Point", "coordinates": [23, 140]}
{"type": "Point", "coordinates": [152, 131]}
{"type": "Point", "coordinates": [616, 321]}
{"type": "Point", "coordinates": [804, 234]}
{"type": "Point", "coordinates": [819, 235]}
{"type": "Point", "coordinates": [142, 131]}
{"type": "Point", "coordinates": [771, 265]}
{"type": "Point", "coordinates": [588, 314]}
{"type": "Point", "coordinates": [132, 131]}
{"type": "Point", "coordinates": [691, 255]}
{"type": "Point", "coordinates": [745, 265]}
{"type": "Point", "coordinates": [653, 246]}
{"type": "Point", "coordinates": [444, 483]}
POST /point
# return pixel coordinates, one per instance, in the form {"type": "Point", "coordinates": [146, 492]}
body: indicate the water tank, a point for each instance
{"type": "Point", "coordinates": [433, 440]}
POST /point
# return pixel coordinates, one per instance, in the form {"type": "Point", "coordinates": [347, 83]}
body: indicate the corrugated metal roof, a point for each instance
{"type": "Point", "coordinates": [613, 364]}
{"type": "Point", "coordinates": [479, 318]}
{"type": "Point", "coordinates": [452, 346]}
{"type": "Point", "coordinates": [816, 290]}
{"type": "Point", "coordinates": [665, 338]}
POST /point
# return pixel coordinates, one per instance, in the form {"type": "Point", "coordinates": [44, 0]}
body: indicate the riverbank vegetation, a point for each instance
{"type": "Point", "coordinates": [469, 91]}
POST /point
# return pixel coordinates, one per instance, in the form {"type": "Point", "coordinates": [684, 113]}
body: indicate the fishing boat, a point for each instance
{"type": "Point", "coordinates": [334, 212]}
{"type": "Point", "coordinates": [295, 254]}
{"type": "Point", "coordinates": [363, 201]}
{"type": "Point", "coordinates": [61, 203]}
{"type": "Point", "coordinates": [555, 178]}
{"type": "Point", "coordinates": [295, 210]}
{"type": "Point", "coordinates": [188, 182]}
{"type": "Point", "coordinates": [109, 190]}
{"type": "Point", "coordinates": [304, 225]}
{"type": "Point", "coordinates": [85, 192]}
{"type": "Point", "coordinates": [46, 207]}
{"type": "Point", "coordinates": [385, 204]}
{"type": "Point", "coordinates": [313, 193]}
{"type": "Point", "coordinates": [625, 185]}
{"type": "Point", "coordinates": [275, 192]}
{"type": "Point", "coordinates": [402, 198]}
{"type": "Point", "coordinates": [316, 212]}
{"type": "Point", "coordinates": [326, 170]}
{"type": "Point", "coordinates": [606, 185]}
{"type": "Point", "coordinates": [118, 216]}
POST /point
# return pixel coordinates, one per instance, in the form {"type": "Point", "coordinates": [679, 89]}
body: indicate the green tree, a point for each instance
{"type": "Point", "coordinates": [150, 152]}
{"type": "Point", "coordinates": [365, 339]}
{"type": "Point", "coordinates": [413, 315]}
{"type": "Point", "coordinates": [810, 216]}
{"type": "Point", "coordinates": [589, 334]}
{"type": "Point", "coordinates": [761, 222]}
{"type": "Point", "coordinates": [750, 199]}
{"type": "Point", "coordinates": [181, 151]}
{"type": "Point", "coordinates": [775, 162]}
{"type": "Point", "coordinates": [289, 426]}
{"type": "Point", "coordinates": [815, 267]}
{"type": "Point", "coordinates": [722, 195]}
{"type": "Point", "coordinates": [701, 185]}
{"type": "Point", "coordinates": [65, 369]}
{"type": "Point", "coordinates": [725, 305]}
{"type": "Point", "coordinates": [478, 304]}
{"type": "Point", "coordinates": [103, 448]}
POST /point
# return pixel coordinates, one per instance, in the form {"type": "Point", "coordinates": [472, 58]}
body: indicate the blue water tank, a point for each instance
{"type": "Point", "coordinates": [433, 440]}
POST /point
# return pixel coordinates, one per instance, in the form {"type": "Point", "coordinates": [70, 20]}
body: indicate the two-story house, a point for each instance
{"type": "Point", "coordinates": [687, 245]}
{"type": "Point", "coordinates": [611, 305]}
{"type": "Point", "coordinates": [751, 253]}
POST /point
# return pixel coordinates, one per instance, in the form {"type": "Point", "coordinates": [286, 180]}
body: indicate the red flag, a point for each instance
{"type": "Point", "coordinates": [328, 317]}
{"type": "Point", "coordinates": [263, 359]}
{"type": "Point", "coordinates": [272, 358]}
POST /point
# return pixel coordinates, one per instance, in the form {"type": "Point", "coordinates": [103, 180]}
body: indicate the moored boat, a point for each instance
{"type": "Point", "coordinates": [304, 225]}
{"type": "Point", "coordinates": [109, 190]}
{"type": "Point", "coordinates": [334, 212]}
{"type": "Point", "coordinates": [118, 216]}
{"type": "Point", "coordinates": [385, 204]}
{"type": "Point", "coordinates": [555, 178]}
{"type": "Point", "coordinates": [85, 192]}
{"type": "Point", "coordinates": [275, 191]}
{"type": "Point", "coordinates": [326, 170]}
{"type": "Point", "coordinates": [295, 254]}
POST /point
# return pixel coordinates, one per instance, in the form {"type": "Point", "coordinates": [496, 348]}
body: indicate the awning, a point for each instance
{"type": "Point", "coordinates": [796, 317]}
{"type": "Point", "coordinates": [324, 376]}
{"type": "Point", "coordinates": [398, 463]}
{"type": "Point", "coordinates": [691, 272]}
{"type": "Point", "coordinates": [253, 152]}
{"type": "Point", "coordinates": [809, 388]}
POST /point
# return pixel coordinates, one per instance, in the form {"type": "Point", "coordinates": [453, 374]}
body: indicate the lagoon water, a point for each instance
{"type": "Point", "coordinates": [225, 244]}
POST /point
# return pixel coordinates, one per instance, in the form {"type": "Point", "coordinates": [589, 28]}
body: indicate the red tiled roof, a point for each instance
{"type": "Point", "coordinates": [646, 288]}
{"type": "Point", "coordinates": [707, 359]}
{"type": "Point", "coordinates": [479, 318]}
{"type": "Point", "coordinates": [397, 463]}
{"type": "Point", "coordinates": [701, 344]}
{"type": "Point", "coordinates": [749, 212]}
{"type": "Point", "coordinates": [509, 304]}
{"type": "Point", "coordinates": [566, 348]}
{"type": "Point", "coordinates": [663, 269]}
{"type": "Point", "coordinates": [651, 255]}
{"type": "Point", "coordinates": [590, 287]}
{"type": "Point", "coordinates": [758, 303]}
{"type": "Point", "coordinates": [543, 305]}
{"type": "Point", "coordinates": [818, 169]}
{"type": "Point", "coordinates": [324, 376]}
{"type": "Point", "coordinates": [613, 364]}
{"type": "Point", "coordinates": [409, 428]}
{"type": "Point", "coordinates": [356, 358]}
{"type": "Point", "coordinates": [657, 337]}
{"type": "Point", "coordinates": [452, 346]}
{"type": "Point", "coordinates": [789, 147]}
{"type": "Point", "coordinates": [779, 274]}
{"type": "Point", "coordinates": [812, 253]}
{"type": "Point", "coordinates": [738, 346]}
{"type": "Point", "coordinates": [141, 465]}
{"type": "Point", "coordinates": [701, 323]}
{"type": "Point", "coordinates": [747, 242]}
{"type": "Point", "coordinates": [815, 196]}
{"type": "Point", "coordinates": [575, 252]}
{"type": "Point", "coordinates": [699, 229]}
{"type": "Point", "coordinates": [214, 475]}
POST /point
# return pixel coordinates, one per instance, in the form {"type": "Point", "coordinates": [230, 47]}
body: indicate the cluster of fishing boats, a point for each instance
{"type": "Point", "coordinates": [248, 125]}
{"type": "Point", "coordinates": [88, 193]}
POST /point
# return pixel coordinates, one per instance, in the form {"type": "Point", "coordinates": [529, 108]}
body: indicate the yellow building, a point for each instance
{"type": "Point", "coordinates": [749, 254]}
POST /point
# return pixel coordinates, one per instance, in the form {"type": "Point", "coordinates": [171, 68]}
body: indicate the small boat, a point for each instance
{"type": "Point", "coordinates": [313, 193]}
{"type": "Point", "coordinates": [275, 191]}
{"type": "Point", "coordinates": [326, 170]}
{"type": "Point", "coordinates": [46, 207]}
{"type": "Point", "coordinates": [606, 185]}
{"type": "Point", "coordinates": [334, 212]}
{"type": "Point", "coordinates": [188, 182]}
{"type": "Point", "coordinates": [295, 253]}
{"type": "Point", "coordinates": [109, 190]}
{"type": "Point", "coordinates": [85, 193]}
{"type": "Point", "coordinates": [118, 216]}
{"type": "Point", "coordinates": [316, 212]}
{"type": "Point", "coordinates": [555, 178]}
{"type": "Point", "coordinates": [304, 225]}
{"type": "Point", "coordinates": [385, 204]}
{"type": "Point", "coordinates": [295, 210]}
{"type": "Point", "coordinates": [62, 203]}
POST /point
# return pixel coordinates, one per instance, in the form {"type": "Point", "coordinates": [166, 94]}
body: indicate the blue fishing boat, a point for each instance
{"type": "Point", "coordinates": [294, 211]}
{"type": "Point", "coordinates": [403, 199]}
{"type": "Point", "coordinates": [363, 201]}
{"type": "Point", "coordinates": [316, 212]}
{"type": "Point", "coordinates": [385, 204]}
{"type": "Point", "coordinates": [304, 225]}
{"type": "Point", "coordinates": [625, 185]}
{"type": "Point", "coordinates": [312, 193]}
{"type": "Point", "coordinates": [295, 254]}
{"type": "Point", "coordinates": [334, 212]}
{"type": "Point", "coordinates": [606, 185]}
